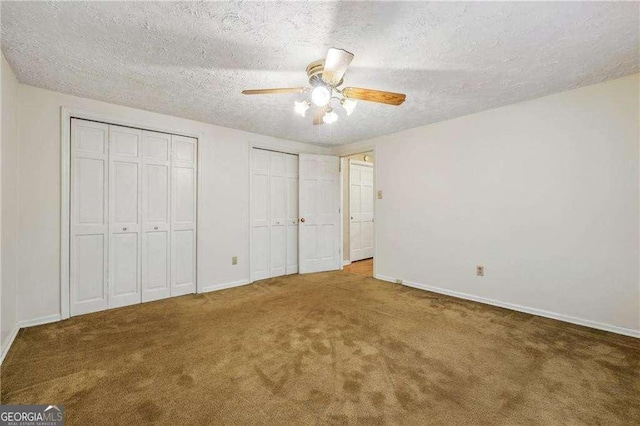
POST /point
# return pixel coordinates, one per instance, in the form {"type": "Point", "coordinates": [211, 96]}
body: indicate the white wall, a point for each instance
{"type": "Point", "coordinates": [9, 203]}
{"type": "Point", "coordinates": [545, 194]}
{"type": "Point", "coordinates": [223, 195]}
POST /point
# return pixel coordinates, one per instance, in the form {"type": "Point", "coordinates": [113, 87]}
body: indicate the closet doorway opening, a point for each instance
{"type": "Point", "coordinates": [358, 213]}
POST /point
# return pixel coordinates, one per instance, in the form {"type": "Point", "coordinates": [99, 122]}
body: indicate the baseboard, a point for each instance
{"type": "Point", "coordinates": [346, 262]}
{"type": "Point", "coordinates": [24, 324]}
{"type": "Point", "coordinates": [514, 307]}
{"type": "Point", "coordinates": [39, 321]}
{"type": "Point", "coordinates": [9, 341]}
{"type": "Point", "coordinates": [223, 286]}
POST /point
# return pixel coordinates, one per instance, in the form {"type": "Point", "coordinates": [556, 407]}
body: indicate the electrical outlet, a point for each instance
{"type": "Point", "coordinates": [398, 281]}
{"type": "Point", "coordinates": [480, 271]}
{"type": "Point", "coordinates": [234, 260]}
{"type": "Point", "coordinates": [379, 195]}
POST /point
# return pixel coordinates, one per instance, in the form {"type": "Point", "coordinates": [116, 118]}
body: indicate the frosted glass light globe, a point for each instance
{"type": "Point", "coordinates": [349, 105]}
{"type": "Point", "coordinates": [301, 107]}
{"type": "Point", "coordinates": [320, 96]}
{"type": "Point", "coordinates": [330, 117]}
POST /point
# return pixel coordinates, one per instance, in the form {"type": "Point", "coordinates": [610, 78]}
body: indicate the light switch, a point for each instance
{"type": "Point", "coordinates": [234, 260]}
{"type": "Point", "coordinates": [379, 195]}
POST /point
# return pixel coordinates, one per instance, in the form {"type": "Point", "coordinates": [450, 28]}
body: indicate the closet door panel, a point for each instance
{"type": "Point", "coordinates": [260, 245]}
{"type": "Point", "coordinates": [185, 196]}
{"type": "Point", "coordinates": [277, 214]}
{"type": "Point", "coordinates": [89, 267]}
{"type": "Point", "coordinates": [157, 193]}
{"type": "Point", "coordinates": [292, 214]}
{"type": "Point", "coordinates": [90, 180]}
{"type": "Point", "coordinates": [156, 259]}
{"type": "Point", "coordinates": [124, 193]}
{"type": "Point", "coordinates": [89, 226]}
{"type": "Point", "coordinates": [156, 220]}
{"type": "Point", "coordinates": [183, 215]}
{"type": "Point", "coordinates": [125, 250]}
{"type": "Point", "coordinates": [125, 216]}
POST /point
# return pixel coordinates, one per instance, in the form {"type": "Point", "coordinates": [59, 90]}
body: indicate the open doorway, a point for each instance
{"type": "Point", "coordinates": [358, 194]}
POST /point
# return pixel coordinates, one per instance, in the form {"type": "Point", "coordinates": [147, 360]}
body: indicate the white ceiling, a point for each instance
{"type": "Point", "coordinates": [193, 59]}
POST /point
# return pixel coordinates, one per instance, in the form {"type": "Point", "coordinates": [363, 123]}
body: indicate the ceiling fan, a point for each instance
{"type": "Point", "coordinates": [325, 76]}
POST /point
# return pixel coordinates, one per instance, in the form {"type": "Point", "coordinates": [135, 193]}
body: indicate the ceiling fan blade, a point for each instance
{"type": "Point", "coordinates": [318, 114]}
{"type": "Point", "coordinates": [274, 91]}
{"type": "Point", "coordinates": [374, 95]}
{"type": "Point", "coordinates": [335, 65]}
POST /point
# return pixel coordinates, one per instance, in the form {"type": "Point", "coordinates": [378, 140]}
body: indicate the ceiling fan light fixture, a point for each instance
{"type": "Point", "coordinates": [321, 96]}
{"type": "Point", "coordinates": [330, 117]}
{"type": "Point", "coordinates": [349, 105]}
{"type": "Point", "coordinates": [301, 107]}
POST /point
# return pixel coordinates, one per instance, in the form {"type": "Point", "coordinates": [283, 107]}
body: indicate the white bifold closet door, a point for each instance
{"type": "Point", "coordinates": [361, 199]}
{"type": "Point", "coordinates": [183, 216]}
{"type": "Point", "coordinates": [89, 213]}
{"type": "Point", "coordinates": [133, 216]}
{"type": "Point", "coordinates": [125, 217]}
{"type": "Point", "coordinates": [156, 215]}
{"type": "Point", "coordinates": [274, 214]}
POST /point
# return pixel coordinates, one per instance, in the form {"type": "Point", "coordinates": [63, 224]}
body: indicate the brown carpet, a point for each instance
{"type": "Point", "coordinates": [330, 348]}
{"type": "Point", "coordinates": [360, 267]}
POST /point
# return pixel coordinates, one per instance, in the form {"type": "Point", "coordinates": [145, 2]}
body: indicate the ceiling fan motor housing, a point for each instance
{"type": "Point", "coordinates": [314, 72]}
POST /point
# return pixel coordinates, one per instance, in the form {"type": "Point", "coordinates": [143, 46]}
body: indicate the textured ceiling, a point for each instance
{"type": "Point", "coordinates": [193, 59]}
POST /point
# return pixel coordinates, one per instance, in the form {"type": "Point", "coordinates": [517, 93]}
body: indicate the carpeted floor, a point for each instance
{"type": "Point", "coordinates": [360, 267]}
{"type": "Point", "coordinates": [329, 348]}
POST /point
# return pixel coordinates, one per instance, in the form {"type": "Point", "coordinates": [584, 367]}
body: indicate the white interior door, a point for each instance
{"type": "Point", "coordinates": [125, 216]}
{"type": "Point", "coordinates": [361, 198]}
{"type": "Point", "coordinates": [89, 217]}
{"type": "Point", "coordinates": [156, 219]}
{"type": "Point", "coordinates": [319, 241]}
{"type": "Point", "coordinates": [183, 215]}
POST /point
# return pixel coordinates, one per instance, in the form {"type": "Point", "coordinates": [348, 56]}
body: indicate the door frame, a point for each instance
{"type": "Point", "coordinates": [344, 163]}
{"type": "Point", "coordinates": [66, 114]}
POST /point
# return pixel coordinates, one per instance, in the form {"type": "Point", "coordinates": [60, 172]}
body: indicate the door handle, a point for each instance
{"type": "Point", "coordinates": [155, 227]}
{"type": "Point", "coordinates": [124, 229]}
{"type": "Point", "coordinates": [302, 219]}
{"type": "Point", "coordinates": [351, 217]}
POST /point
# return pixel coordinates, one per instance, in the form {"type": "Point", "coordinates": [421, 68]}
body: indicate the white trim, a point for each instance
{"type": "Point", "coordinates": [65, 209]}
{"type": "Point", "coordinates": [348, 150]}
{"type": "Point", "coordinates": [39, 321]}
{"type": "Point", "coordinates": [342, 212]}
{"type": "Point", "coordinates": [198, 210]}
{"type": "Point", "coordinates": [346, 262]}
{"type": "Point", "coordinates": [360, 163]}
{"type": "Point", "coordinates": [375, 213]}
{"type": "Point", "coordinates": [223, 286]}
{"type": "Point", "coordinates": [249, 222]}
{"type": "Point", "coordinates": [514, 307]}
{"type": "Point", "coordinates": [6, 345]}
{"type": "Point", "coordinates": [66, 113]}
